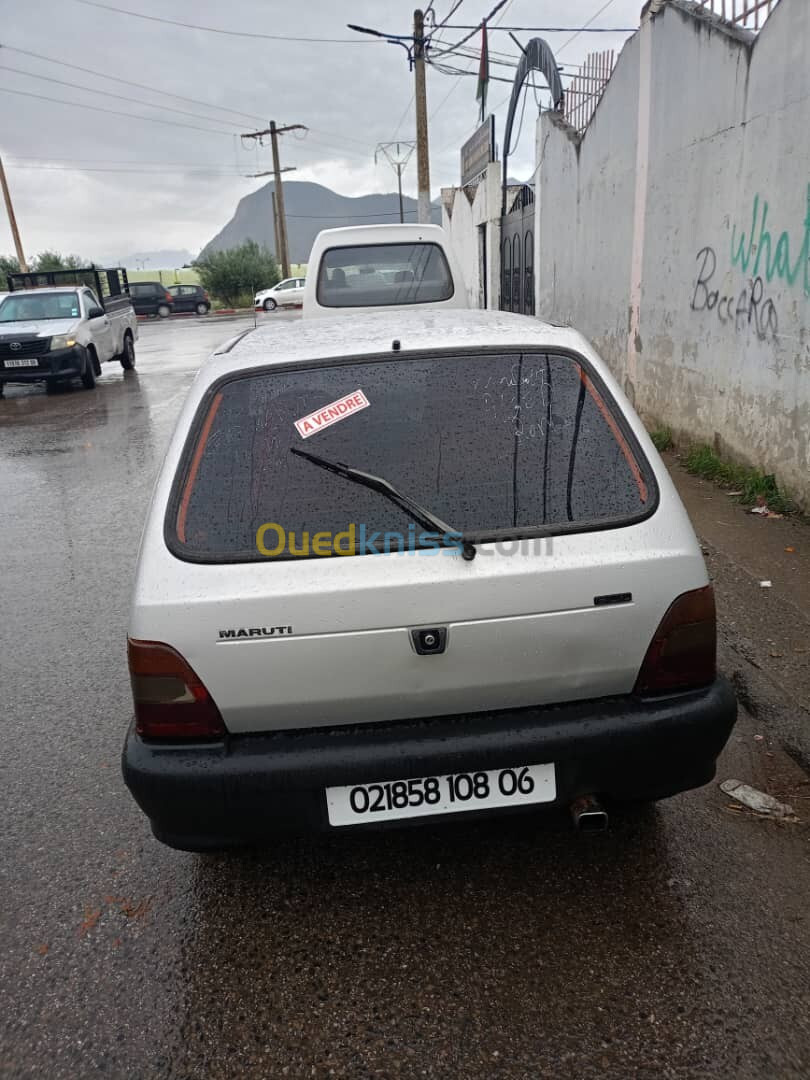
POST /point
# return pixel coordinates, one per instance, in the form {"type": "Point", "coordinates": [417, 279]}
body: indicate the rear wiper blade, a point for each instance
{"type": "Point", "coordinates": [419, 513]}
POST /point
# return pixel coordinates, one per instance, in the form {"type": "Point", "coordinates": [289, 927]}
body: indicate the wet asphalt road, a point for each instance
{"type": "Point", "coordinates": [676, 945]}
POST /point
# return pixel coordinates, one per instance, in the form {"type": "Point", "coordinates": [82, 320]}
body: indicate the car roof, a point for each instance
{"type": "Point", "coordinates": [48, 289]}
{"type": "Point", "coordinates": [374, 333]}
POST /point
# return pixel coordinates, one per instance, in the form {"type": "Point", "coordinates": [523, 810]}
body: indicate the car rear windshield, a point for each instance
{"type": "Point", "coordinates": [495, 446]}
{"type": "Point", "coordinates": [376, 275]}
{"type": "Point", "coordinates": [145, 290]}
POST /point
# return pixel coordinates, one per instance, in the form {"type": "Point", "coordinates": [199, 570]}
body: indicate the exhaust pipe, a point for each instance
{"type": "Point", "coordinates": [589, 815]}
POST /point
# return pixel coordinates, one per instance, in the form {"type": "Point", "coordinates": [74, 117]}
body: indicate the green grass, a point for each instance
{"type": "Point", "coordinates": [701, 460]}
{"type": "Point", "coordinates": [662, 439]}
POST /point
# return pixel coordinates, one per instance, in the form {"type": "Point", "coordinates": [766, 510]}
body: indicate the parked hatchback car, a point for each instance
{"type": "Point", "coordinates": [411, 565]}
{"type": "Point", "coordinates": [188, 298]}
{"type": "Point", "coordinates": [151, 298]}
{"type": "Point", "coordinates": [289, 291]}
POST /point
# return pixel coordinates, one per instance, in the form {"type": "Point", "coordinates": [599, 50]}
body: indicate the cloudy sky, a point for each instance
{"type": "Point", "coordinates": [105, 185]}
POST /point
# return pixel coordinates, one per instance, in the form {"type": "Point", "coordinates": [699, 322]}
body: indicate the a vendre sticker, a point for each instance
{"type": "Point", "coordinates": [330, 414]}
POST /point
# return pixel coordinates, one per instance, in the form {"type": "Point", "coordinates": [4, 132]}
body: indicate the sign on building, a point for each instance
{"type": "Point", "coordinates": [478, 151]}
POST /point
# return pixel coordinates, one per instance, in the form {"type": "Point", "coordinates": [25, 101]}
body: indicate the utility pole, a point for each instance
{"type": "Point", "coordinates": [415, 48]}
{"type": "Point", "coordinates": [422, 158]}
{"type": "Point", "coordinates": [273, 131]}
{"type": "Point", "coordinates": [12, 220]}
{"type": "Point", "coordinates": [256, 176]}
{"type": "Point", "coordinates": [397, 155]}
{"type": "Point", "coordinates": [275, 222]}
{"type": "Point", "coordinates": [280, 215]}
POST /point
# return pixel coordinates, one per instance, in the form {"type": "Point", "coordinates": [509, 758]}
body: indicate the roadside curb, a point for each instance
{"type": "Point", "coordinates": [194, 315]}
{"type": "Point", "coordinates": [216, 311]}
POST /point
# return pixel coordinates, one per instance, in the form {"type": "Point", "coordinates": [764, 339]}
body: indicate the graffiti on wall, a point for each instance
{"type": "Point", "coordinates": [768, 255]}
{"type": "Point", "coordinates": [766, 258]}
{"type": "Point", "coordinates": [748, 308]}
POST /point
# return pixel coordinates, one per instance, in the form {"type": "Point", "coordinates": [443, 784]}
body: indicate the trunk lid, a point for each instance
{"type": "Point", "coordinates": [308, 645]}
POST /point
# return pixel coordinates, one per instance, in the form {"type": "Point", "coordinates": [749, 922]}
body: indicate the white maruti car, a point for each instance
{"type": "Point", "coordinates": [289, 291]}
{"type": "Point", "coordinates": [413, 565]}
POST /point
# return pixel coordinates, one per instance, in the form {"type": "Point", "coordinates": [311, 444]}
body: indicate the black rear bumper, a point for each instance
{"type": "Point", "coordinates": [206, 796]}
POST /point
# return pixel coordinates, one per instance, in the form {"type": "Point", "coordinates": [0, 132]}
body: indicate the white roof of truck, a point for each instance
{"type": "Point", "coordinates": [349, 235]}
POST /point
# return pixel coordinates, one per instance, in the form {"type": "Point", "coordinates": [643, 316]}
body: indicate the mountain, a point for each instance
{"type": "Point", "coordinates": [309, 208]}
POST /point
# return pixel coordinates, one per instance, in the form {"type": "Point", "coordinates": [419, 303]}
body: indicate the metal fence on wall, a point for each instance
{"type": "Point", "coordinates": [750, 14]}
{"type": "Point", "coordinates": [586, 88]}
{"type": "Point", "coordinates": [588, 83]}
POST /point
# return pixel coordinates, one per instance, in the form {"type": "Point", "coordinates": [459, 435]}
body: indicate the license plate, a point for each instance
{"type": "Point", "coordinates": [453, 793]}
{"type": "Point", "coordinates": [22, 361]}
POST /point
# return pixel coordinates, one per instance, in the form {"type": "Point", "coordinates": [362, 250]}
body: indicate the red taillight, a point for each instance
{"type": "Point", "coordinates": [683, 653]}
{"type": "Point", "coordinates": [205, 295]}
{"type": "Point", "coordinates": [169, 298]}
{"type": "Point", "coordinates": [170, 701]}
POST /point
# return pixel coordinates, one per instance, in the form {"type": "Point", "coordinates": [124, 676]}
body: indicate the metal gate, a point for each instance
{"type": "Point", "coordinates": [517, 253]}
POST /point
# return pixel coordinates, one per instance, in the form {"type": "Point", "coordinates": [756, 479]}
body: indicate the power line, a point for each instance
{"type": "Point", "coordinates": [586, 28]}
{"type": "Point", "coordinates": [217, 30]}
{"type": "Point", "coordinates": [331, 146]}
{"type": "Point", "coordinates": [402, 118]}
{"type": "Point", "coordinates": [471, 54]}
{"type": "Point", "coordinates": [556, 29]}
{"type": "Point", "coordinates": [216, 171]}
{"type": "Point", "coordinates": [129, 82]}
{"type": "Point", "coordinates": [108, 161]}
{"type": "Point", "coordinates": [112, 112]}
{"type": "Point", "coordinates": [119, 97]}
{"type": "Point", "coordinates": [447, 70]}
{"type": "Point", "coordinates": [449, 15]}
{"type": "Point", "coordinates": [155, 90]}
{"type": "Point", "coordinates": [152, 119]}
{"type": "Point", "coordinates": [582, 29]}
{"type": "Point", "coordinates": [452, 48]}
{"type": "Point", "coordinates": [470, 71]}
{"type": "Point", "coordinates": [343, 138]}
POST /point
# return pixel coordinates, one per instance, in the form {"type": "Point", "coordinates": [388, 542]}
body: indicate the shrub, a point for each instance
{"type": "Point", "coordinates": [239, 272]}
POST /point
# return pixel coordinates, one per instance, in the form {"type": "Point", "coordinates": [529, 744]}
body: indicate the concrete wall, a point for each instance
{"type": "Point", "coordinates": [464, 212]}
{"type": "Point", "coordinates": [645, 231]}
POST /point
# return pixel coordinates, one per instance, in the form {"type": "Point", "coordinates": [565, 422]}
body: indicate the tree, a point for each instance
{"type": "Point", "coordinates": [8, 265]}
{"type": "Point", "coordinates": [235, 274]}
{"type": "Point", "coordinates": [52, 260]}
{"type": "Point", "coordinates": [46, 260]}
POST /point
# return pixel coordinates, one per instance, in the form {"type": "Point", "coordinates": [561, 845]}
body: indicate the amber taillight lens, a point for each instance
{"type": "Point", "coordinates": [170, 701]}
{"type": "Point", "coordinates": [683, 653]}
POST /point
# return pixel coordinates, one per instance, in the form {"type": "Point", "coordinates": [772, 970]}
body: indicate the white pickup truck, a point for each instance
{"type": "Point", "coordinates": [59, 325]}
{"type": "Point", "coordinates": [369, 267]}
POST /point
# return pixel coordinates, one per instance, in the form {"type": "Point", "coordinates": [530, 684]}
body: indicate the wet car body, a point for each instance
{"type": "Point", "coordinates": [551, 637]}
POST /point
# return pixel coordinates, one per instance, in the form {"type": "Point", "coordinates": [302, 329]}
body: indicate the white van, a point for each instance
{"type": "Point", "coordinates": [414, 565]}
{"type": "Point", "coordinates": [369, 267]}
